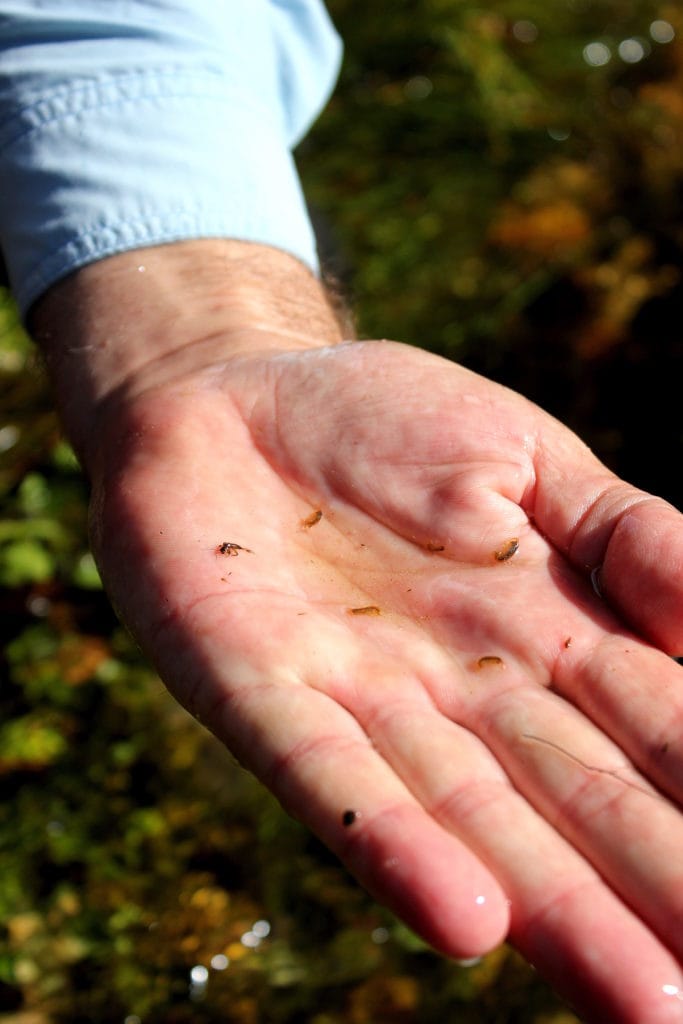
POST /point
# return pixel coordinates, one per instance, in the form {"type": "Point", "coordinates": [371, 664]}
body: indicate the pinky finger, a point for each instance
{"type": "Point", "coordinates": [334, 781]}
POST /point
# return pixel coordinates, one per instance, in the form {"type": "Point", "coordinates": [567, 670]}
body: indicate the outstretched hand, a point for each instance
{"type": "Point", "coordinates": [427, 618]}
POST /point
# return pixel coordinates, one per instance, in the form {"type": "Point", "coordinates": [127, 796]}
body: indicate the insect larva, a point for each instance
{"type": "Point", "coordinates": [312, 520]}
{"type": "Point", "coordinates": [509, 548]}
{"type": "Point", "coordinates": [490, 661]}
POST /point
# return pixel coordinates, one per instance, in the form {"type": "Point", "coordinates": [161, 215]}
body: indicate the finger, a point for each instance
{"type": "Point", "coordinates": [642, 571]}
{"type": "Point", "coordinates": [602, 523]}
{"type": "Point", "coordinates": [565, 920]}
{"type": "Point", "coordinates": [586, 788]}
{"type": "Point", "coordinates": [634, 693]}
{"type": "Point", "coordinates": [572, 643]}
{"type": "Point", "coordinates": [335, 782]}
{"type": "Point", "coordinates": [318, 761]}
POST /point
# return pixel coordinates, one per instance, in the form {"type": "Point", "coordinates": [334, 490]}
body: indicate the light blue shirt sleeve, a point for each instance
{"type": "Point", "coordinates": [127, 123]}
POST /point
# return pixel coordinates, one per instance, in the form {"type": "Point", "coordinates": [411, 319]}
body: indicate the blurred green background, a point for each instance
{"type": "Point", "coordinates": [501, 184]}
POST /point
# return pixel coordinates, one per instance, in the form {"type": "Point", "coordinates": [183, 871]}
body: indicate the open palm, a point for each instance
{"type": "Point", "coordinates": [377, 578]}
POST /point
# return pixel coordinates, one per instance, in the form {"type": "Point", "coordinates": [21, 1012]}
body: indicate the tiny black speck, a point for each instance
{"type": "Point", "coordinates": [348, 818]}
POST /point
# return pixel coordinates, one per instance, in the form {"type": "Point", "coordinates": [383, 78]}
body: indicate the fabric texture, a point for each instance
{"type": "Point", "coordinates": [126, 123]}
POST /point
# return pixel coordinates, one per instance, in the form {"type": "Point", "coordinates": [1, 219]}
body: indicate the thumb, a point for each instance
{"type": "Point", "coordinates": [631, 541]}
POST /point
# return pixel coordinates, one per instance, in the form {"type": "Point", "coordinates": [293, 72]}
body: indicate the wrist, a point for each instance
{"type": "Point", "coordinates": [149, 316]}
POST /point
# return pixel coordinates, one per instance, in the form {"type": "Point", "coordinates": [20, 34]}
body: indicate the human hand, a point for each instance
{"type": "Point", "coordinates": [429, 653]}
{"type": "Point", "coordinates": [493, 725]}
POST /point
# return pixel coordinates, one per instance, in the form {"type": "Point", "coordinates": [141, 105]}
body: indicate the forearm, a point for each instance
{"type": "Point", "coordinates": [141, 318]}
{"type": "Point", "coordinates": [150, 138]}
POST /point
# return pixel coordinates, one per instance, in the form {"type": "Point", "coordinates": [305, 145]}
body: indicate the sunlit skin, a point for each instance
{"type": "Point", "coordinates": [508, 740]}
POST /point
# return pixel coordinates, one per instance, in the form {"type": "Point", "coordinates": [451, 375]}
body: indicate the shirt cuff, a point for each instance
{"type": "Point", "coordinates": [127, 125]}
{"type": "Point", "coordinates": [98, 166]}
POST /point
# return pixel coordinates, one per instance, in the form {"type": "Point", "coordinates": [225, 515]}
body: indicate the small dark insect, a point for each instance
{"type": "Point", "coordinates": [348, 818]}
{"type": "Point", "coordinates": [312, 520]}
{"type": "Point", "coordinates": [490, 661]}
{"type": "Point", "coordinates": [229, 548]}
{"type": "Point", "coordinates": [368, 609]}
{"type": "Point", "coordinates": [509, 548]}
{"type": "Point", "coordinates": [568, 642]}
{"type": "Point", "coordinates": [432, 546]}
